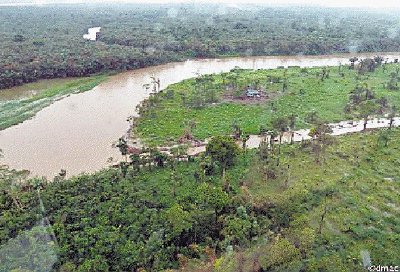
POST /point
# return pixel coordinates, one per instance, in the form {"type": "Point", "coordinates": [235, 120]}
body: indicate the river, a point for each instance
{"type": "Point", "coordinates": [77, 132]}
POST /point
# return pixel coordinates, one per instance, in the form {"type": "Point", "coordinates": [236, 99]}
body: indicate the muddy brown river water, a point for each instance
{"type": "Point", "coordinates": [77, 133]}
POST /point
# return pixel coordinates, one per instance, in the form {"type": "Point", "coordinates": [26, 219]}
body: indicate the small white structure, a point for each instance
{"type": "Point", "coordinates": [92, 33]}
{"type": "Point", "coordinates": [252, 93]}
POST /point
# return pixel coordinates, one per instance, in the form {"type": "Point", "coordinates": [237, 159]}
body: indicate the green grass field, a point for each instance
{"type": "Point", "coordinates": [167, 114]}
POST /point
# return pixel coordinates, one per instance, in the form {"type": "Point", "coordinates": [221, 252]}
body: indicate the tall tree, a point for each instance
{"type": "Point", "coordinates": [280, 124]}
{"type": "Point", "coordinates": [366, 109]}
{"type": "Point", "coordinates": [321, 139]}
{"type": "Point", "coordinates": [224, 150]}
{"type": "Point", "coordinates": [392, 115]}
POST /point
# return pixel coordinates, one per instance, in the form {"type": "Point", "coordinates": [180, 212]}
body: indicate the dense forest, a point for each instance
{"type": "Point", "coordinates": [302, 214]}
{"type": "Point", "coordinates": [325, 203]}
{"type": "Point", "coordinates": [46, 41]}
{"type": "Point", "coordinates": [328, 203]}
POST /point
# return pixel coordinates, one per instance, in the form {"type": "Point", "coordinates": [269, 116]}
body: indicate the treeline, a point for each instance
{"type": "Point", "coordinates": [146, 218]}
{"type": "Point", "coordinates": [230, 209]}
{"type": "Point", "coordinates": [46, 42]}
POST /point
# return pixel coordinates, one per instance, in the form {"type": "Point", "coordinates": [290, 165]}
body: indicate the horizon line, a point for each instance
{"type": "Point", "coordinates": [177, 2]}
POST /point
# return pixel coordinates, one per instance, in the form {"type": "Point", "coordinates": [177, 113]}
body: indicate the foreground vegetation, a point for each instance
{"type": "Point", "coordinates": [217, 104]}
{"type": "Point", "coordinates": [15, 111]}
{"type": "Point", "coordinates": [334, 214]}
{"type": "Point", "coordinates": [330, 204]}
{"type": "Point", "coordinates": [36, 40]}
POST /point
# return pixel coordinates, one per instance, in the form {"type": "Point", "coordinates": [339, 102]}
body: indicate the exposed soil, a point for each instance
{"type": "Point", "coordinates": [230, 95]}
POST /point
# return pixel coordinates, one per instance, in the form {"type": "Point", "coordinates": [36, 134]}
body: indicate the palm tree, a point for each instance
{"type": "Point", "coordinates": [284, 85]}
{"type": "Point", "coordinates": [393, 83]}
{"type": "Point", "coordinates": [272, 135]}
{"type": "Point", "coordinates": [236, 130]}
{"type": "Point", "coordinates": [281, 125]}
{"type": "Point", "coordinates": [156, 84]}
{"type": "Point", "coordinates": [233, 77]}
{"type": "Point", "coordinates": [378, 60]}
{"type": "Point", "coordinates": [383, 103]}
{"type": "Point", "coordinates": [263, 132]}
{"type": "Point", "coordinates": [325, 210]}
{"type": "Point", "coordinates": [222, 149]}
{"type": "Point", "coordinates": [369, 94]}
{"type": "Point", "coordinates": [353, 61]}
{"type": "Point", "coordinates": [321, 138]}
{"type": "Point", "coordinates": [367, 108]}
{"type": "Point", "coordinates": [123, 147]}
{"type": "Point", "coordinates": [292, 124]}
{"type": "Point", "coordinates": [263, 149]}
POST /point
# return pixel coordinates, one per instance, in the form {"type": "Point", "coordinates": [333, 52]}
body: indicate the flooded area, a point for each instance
{"type": "Point", "coordinates": [77, 133]}
{"type": "Point", "coordinates": [31, 89]}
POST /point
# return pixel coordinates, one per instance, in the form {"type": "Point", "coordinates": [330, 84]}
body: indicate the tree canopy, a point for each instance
{"type": "Point", "coordinates": [46, 42]}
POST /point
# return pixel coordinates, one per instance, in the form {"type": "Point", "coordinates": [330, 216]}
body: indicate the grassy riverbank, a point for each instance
{"type": "Point", "coordinates": [15, 111]}
{"type": "Point", "coordinates": [306, 217]}
{"type": "Point", "coordinates": [211, 104]}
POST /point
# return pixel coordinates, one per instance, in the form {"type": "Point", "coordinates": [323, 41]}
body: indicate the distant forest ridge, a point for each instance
{"type": "Point", "coordinates": [40, 42]}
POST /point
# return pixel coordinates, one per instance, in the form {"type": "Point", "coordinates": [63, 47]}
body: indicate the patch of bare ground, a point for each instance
{"type": "Point", "coordinates": [235, 96]}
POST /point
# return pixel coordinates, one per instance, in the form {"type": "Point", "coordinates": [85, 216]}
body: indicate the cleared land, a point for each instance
{"type": "Point", "coordinates": [330, 204]}
{"type": "Point", "coordinates": [299, 92]}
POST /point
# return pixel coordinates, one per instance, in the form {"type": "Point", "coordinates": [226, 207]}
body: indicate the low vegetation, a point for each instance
{"type": "Point", "coordinates": [216, 104]}
{"type": "Point", "coordinates": [16, 111]}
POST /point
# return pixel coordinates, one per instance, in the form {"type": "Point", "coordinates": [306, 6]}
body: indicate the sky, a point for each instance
{"type": "Point", "coordinates": [329, 3]}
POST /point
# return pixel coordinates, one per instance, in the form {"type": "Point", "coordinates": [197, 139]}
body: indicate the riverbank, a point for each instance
{"type": "Point", "coordinates": [15, 111]}
{"type": "Point", "coordinates": [77, 133]}
{"type": "Point", "coordinates": [349, 200]}
{"type": "Point", "coordinates": [30, 98]}
{"type": "Point", "coordinates": [213, 105]}
{"type": "Point", "coordinates": [194, 148]}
